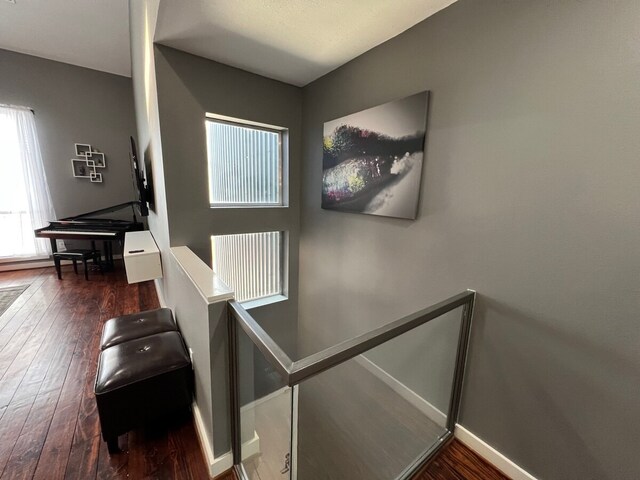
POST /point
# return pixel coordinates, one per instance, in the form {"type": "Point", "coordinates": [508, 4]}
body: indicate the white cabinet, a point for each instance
{"type": "Point", "coordinates": [141, 257]}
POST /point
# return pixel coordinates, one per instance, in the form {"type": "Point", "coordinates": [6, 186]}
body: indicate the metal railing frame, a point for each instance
{"type": "Point", "coordinates": [293, 373]}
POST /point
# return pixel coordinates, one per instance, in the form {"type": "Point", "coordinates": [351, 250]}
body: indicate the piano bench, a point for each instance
{"type": "Point", "coordinates": [141, 381]}
{"type": "Point", "coordinates": [74, 256]}
{"type": "Point", "coordinates": [136, 325]}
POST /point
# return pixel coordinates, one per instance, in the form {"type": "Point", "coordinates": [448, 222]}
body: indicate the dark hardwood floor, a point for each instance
{"type": "Point", "coordinates": [49, 340]}
{"type": "Point", "coordinates": [458, 462]}
{"type": "Point", "coordinates": [229, 475]}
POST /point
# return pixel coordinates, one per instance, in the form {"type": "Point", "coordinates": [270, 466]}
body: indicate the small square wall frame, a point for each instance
{"type": "Point", "coordinates": [82, 149]}
{"type": "Point", "coordinates": [82, 168]}
{"type": "Point", "coordinates": [98, 159]}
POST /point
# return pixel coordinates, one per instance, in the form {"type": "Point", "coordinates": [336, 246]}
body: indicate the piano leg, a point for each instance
{"type": "Point", "coordinates": [56, 261]}
{"type": "Point", "coordinates": [98, 258]}
{"type": "Point", "coordinates": [108, 254]}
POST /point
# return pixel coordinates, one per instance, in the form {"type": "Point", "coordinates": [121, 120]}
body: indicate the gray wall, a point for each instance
{"type": "Point", "coordinates": [530, 195]}
{"type": "Point", "coordinates": [188, 88]}
{"type": "Point", "coordinates": [203, 327]}
{"type": "Point", "coordinates": [75, 105]}
{"type": "Point", "coordinates": [142, 21]}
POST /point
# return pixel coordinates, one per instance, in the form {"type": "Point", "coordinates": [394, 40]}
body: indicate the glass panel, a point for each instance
{"type": "Point", "coordinates": [265, 415]}
{"type": "Point", "coordinates": [245, 165]}
{"type": "Point", "coordinates": [351, 314]}
{"type": "Point", "coordinates": [373, 416]}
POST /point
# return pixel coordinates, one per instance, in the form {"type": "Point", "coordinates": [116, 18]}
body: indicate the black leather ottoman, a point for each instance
{"type": "Point", "coordinates": [136, 325]}
{"type": "Point", "coordinates": [139, 381]}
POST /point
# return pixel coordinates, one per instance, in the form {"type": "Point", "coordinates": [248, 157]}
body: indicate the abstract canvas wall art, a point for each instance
{"type": "Point", "coordinates": [372, 160]}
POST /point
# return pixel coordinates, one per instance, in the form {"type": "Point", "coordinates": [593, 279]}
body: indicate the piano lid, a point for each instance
{"type": "Point", "coordinates": [102, 211]}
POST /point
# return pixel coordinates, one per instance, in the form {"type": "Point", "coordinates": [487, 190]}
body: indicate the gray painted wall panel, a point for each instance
{"type": "Point", "coordinates": [74, 104]}
{"type": "Point", "coordinates": [204, 328]}
{"type": "Point", "coordinates": [188, 88]}
{"type": "Point", "coordinates": [530, 195]}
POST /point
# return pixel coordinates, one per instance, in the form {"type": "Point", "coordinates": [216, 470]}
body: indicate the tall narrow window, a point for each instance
{"type": "Point", "coordinates": [250, 263]}
{"type": "Point", "coordinates": [245, 164]}
{"type": "Point", "coordinates": [25, 201]}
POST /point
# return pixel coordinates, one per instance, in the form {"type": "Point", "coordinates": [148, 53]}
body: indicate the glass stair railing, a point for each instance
{"type": "Point", "coordinates": [376, 407]}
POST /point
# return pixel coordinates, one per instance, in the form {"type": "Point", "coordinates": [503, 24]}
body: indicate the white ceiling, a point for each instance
{"type": "Point", "coordinates": [293, 41]}
{"type": "Point", "coordinates": [89, 33]}
{"type": "Point", "coordinates": [289, 40]}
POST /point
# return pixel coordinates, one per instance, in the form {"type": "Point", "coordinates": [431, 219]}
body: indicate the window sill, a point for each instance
{"type": "Point", "coordinates": [261, 302]}
{"type": "Point", "coordinates": [23, 259]}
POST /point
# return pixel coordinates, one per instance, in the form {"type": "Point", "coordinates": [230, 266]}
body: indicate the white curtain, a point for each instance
{"type": "Point", "coordinates": [25, 201]}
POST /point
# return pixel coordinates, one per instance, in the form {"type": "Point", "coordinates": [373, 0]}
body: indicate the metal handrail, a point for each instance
{"type": "Point", "coordinates": [295, 372]}
{"type": "Point", "coordinates": [261, 339]}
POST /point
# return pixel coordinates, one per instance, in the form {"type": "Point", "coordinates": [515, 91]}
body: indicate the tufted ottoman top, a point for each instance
{"type": "Point", "coordinates": [140, 359]}
{"type": "Point", "coordinates": [136, 325]}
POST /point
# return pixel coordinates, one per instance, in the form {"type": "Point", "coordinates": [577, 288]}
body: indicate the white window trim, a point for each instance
{"type": "Point", "coordinates": [283, 167]}
{"type": "Point", "coordinates": [261, 302]}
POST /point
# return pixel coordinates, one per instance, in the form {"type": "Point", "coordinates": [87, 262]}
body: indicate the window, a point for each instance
{"type": "Point", "coordinates": [25, 202]}
{"type": "Point", "coordinates": [245, 164]}
{"type": "Point", "coordinates": [250, 263]}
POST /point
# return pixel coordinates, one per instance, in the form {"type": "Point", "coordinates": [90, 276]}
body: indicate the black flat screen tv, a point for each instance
{"type": "Point", "coordinates": [143, 187]}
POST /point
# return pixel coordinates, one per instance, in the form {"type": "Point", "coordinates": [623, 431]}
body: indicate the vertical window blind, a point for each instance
{"type": "Point", "coordinates": [250, 263]}
{"type": "Point", "coordinates": [245, 165]}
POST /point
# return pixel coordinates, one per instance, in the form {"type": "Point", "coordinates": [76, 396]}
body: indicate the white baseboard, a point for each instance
{"type": "Point", "coordinates": [491, 455]}
{"type": "Point", "coordinates": [405, 392]}
{"type": "Point", "coordinates": [23, 259]}
{"type": "Point", "coordinates": [220, 464]}
{"type": "Point", "coordinates": [160, 293]}
{"type": "Point", "coordinates": [251, 448]}
{"type": "Point", "coordinates": [7, 267]}
{"type": "Point", "coordinates": [26, 265]}
{"type": "Point", "coordinates": [252, 405]}
{"type": "Point", "coordinates": [205, 443]}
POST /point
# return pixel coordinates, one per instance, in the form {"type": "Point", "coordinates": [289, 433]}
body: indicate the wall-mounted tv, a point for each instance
{"type": "Point", "coordinates": [143, 187]}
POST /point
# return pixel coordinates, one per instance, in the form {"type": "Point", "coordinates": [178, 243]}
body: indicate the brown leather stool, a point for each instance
{"type": "Point", "coordinates": [139, 381]}
{"type": "Point", "coordinates": [136, 325]}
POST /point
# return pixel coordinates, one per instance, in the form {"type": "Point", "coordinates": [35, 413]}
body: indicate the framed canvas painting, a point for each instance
{"type": "Point", "coordinates": [372, 160]}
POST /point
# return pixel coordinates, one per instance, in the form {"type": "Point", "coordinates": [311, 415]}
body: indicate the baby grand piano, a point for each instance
{"type": "Point", "coordinates": [84, 227]}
